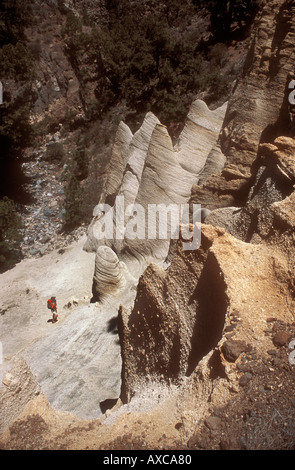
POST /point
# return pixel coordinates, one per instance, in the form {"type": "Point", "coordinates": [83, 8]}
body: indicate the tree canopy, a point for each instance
{"type": "Point", "coordinates": [17, 64]}
{"type": "Point", "coordinates": [143, 59]}
{"type": "Point", "coordinates": [225, 14]}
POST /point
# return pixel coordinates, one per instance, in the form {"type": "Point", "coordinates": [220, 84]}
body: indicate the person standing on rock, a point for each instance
{"type": "Point", "coordinates": [52, 305]}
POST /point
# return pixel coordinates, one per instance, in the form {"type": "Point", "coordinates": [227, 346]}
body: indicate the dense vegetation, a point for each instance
{"type": "Point", "coordinates": [17, 66]}
{"type": "Point", "coordinates": [145, 56]}
{"type": "Point", "coordinates": [10, 235]}
{"type": "Point", "coordinates": [151, 60]}
{"type": "Point", "coordinates": [147, 61]}
{"type": "Point", "coordinates": [140, 60]}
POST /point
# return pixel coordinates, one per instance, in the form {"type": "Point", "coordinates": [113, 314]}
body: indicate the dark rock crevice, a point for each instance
{"type": "Point", "coordinates": [172, 327]}
{"type": "Point", "coordinates": [211, 298]}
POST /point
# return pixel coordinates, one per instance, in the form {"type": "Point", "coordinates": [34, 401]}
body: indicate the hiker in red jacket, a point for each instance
{"type": "Point", "coordinates": [51, 304]}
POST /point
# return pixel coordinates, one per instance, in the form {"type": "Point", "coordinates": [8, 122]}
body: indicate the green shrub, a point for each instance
{"type": "Point", "coordinates": [15, 135]}
{"type": "Point", "coordinates": [54, 151]}
{"type": "Point", "coordinates": [142, 59]}
{"type": "Point", "coordinates": [17, 15]}
{"type": "Point", "coordinates": [73, 215]}
{"type": "Point", "coordinates": [15, 121]}
{"type": "Point", "coordinates": [218, 85]}
{"type": "Point", "coordinates": [218, 55]}
{"type": "Point", "coordinates": [10, 236]}
{"type": "Point", "coordinates": [62, 7]}
{"type": "Point", "coordinates": [43, 127]}
{"type": "Point", "coordinates": [36, 49]}
{"type": "Point", "coordinates": [68, 118]}
{"type": "Point", "coordinates": [17, 62]}
{"type": "Point", "coordinates": [73, 24]}
{"type": "Point", "coordinates": [81, 159]}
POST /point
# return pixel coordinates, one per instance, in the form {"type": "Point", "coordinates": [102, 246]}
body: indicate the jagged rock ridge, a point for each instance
{"type": "Point", "coordinates": [258, 109]}
{"type": "Point", "coordinates": [217, 322]}
{"type": "Point", "coordinates": [145, 168]}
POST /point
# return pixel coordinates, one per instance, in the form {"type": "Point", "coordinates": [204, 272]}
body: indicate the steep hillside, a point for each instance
{"type": "Point", "coordinates": [66, 87]}
{"type": "Point", "coordinates": [258, 111]}
{"type": "Point", "coordinates": [162, 343]}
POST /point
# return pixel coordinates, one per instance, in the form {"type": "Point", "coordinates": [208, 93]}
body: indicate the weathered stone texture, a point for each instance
{"type": "Point", "coordinates": [147, 169]}
{"type": "Point", "coordinates": [258, 109]}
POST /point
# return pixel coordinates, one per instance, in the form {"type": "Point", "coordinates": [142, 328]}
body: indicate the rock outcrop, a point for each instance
{"type": "Point", "coordinates": [177, 318]}
{"type": "Point", "coordinates": [274, 182]}
{"type": "Point", "coordinates": [182, 314]}
{"type": "Point", "coordinates": [108, 276]}
{"type": "Point", "coordinates": [198, 138]}
{"type": "Point", "coordinates": [205, 338]}
{"type": "Point", "coordinates": [19, 387]}
{"type": "Point", "coordinates": [117, 164]}
{"type": "Point", "coordinates": [56, 89]}
{"type": "Point", "coordinates": [146, 169]}
{"type": "Point", "coordinates": [258, 110]}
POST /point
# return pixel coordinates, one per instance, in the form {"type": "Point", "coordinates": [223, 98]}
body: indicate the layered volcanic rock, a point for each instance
{"type": "Point", "coordinates": [56, 88]}
{"type": "Point", "coordinates": [163, 182]}
{"type": "Point", "coordinates": [108, 275]}
{"type": "Point", "coordinates": [117, 163]}
{"type": "Point", "coordinates": [127, 161]}
{"type": "Point", "coordinates": [204, 340]}
{"type": "Point", "coordinates": [258, 109]}
{"type": "Point", "coordinates": [175, 320]}
{"type": "Point", "coordinates": [182, 315]}
{"type": "Point", "coordinates": [18, 379]}
{"type": "Point", "coordinates": [124, 172]}
{"type": "Point", "coordinates": [138, 150]}
{"type": "Point", "coordinates": [199, 136]}
{"type": "Point", "coordinates": [146, 169]}
{"type": "Point", "coordinates": [272, 185]}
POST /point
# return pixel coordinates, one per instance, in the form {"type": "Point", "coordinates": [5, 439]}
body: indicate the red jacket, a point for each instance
{"type": "Point", "coordinates": [51, 304]}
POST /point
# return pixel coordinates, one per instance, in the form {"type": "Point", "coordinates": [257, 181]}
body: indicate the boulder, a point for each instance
{"type": "Point", "coordinates": [271, 198]}
{"type": "Point", "coordinates": [108, 275]}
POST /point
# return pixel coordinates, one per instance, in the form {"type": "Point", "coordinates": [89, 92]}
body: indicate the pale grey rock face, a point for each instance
{"type": "Point", "coordinates": [214, 164]}
{"type": "Point", "coordinates": [81, 361]}
{"type": "Point", "coordinates": [164, 181]}
{"type": "Point", "coordinates": [108, 275]}
{"type": "Point", "coordinates": [118, 163]}
{"type": "Point", "coordinates": [124, 173]}
{"type": "Point", "coordinates": [140, 144]}
{"type": "Point", "coordinates": [199, 135]}
{"type": "Point", "coordinates": [127, 160]}
{"type": "Point", "coordinates": [147, 169]}
{"type": "Point", "coordinates": [137, 154]}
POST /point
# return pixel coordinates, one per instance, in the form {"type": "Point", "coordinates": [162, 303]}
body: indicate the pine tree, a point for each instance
{"type": "Point", "coordinates": [10, 236]}
{"type": "Point", "coordinates": [73, 203]}
{"type": "Point", "coordinates": [224, 13]}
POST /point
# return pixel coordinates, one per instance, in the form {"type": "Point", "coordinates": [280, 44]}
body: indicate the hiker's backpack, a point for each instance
{"type": "Point", "coordinates": [49, 304]}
